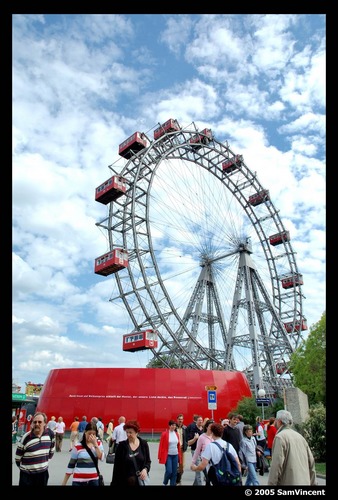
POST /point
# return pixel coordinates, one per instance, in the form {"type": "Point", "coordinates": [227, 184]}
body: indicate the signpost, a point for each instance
{"type": "Point", "coordinates": [262, 400]}
{"type": "Point", "coordinates": [212, 398]}
{"type": "Point", "coordinates": [16, 396]}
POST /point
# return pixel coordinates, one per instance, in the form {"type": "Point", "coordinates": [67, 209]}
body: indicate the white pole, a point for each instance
{"type": "Point", "coordinates": [261, 394]}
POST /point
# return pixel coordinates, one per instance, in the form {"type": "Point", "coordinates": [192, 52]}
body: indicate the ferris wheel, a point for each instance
{"type": "Point", "coordinates": [209, 265]}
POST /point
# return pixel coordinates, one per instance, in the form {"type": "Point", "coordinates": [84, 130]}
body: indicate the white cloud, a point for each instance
{"type": "Point", "coordinates": [81, 85]}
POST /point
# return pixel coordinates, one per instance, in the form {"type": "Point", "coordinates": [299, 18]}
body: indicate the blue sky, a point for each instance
{"type": "Point", "coordinates": [81, 85]}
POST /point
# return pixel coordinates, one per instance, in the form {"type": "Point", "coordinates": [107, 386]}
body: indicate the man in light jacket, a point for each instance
{"type": "Point", "coordinates": [292, 460]}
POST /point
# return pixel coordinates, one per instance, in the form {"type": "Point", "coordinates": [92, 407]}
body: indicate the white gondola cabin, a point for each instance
{"type": "Point", "coordinates": [111, 190]}
{"type": "Point", "coordinates": [111, 262]}
{"type": "Point", "coordinates": [139, 341]}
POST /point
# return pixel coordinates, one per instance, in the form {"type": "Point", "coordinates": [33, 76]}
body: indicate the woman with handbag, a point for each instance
{"type": "Point", "coordinates": [83, 462]}
{"type": "Point", "coordinates": [132, 458]}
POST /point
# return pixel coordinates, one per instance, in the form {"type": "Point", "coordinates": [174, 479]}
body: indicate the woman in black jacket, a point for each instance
{"type": "Point", "coordinates": [132, 458]}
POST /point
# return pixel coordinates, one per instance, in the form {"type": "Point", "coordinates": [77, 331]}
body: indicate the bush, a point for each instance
{"type": "Point", "coordinates": [314, 431]}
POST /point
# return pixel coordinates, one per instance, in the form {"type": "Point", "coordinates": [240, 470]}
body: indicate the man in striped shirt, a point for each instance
{"type": "Point", "coordinates": [34, 451]}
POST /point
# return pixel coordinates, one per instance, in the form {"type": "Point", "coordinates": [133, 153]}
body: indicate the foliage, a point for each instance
{"type": "Point", "coordinates": [250, 410]}
{"type": "Point", "coordinates": [277, 405]}
{"type": "Point", "coordinates": [314, 431]}
{"type": "Point", "coordinates": [308, 362]}
{"type": "Point", "coordinates": [321, 468]}
{"type": "Point", "coordinates": [159, 363]}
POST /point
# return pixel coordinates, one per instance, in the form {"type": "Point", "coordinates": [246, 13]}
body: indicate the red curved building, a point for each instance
{"type": "Point", "coordinates": [150, 395]}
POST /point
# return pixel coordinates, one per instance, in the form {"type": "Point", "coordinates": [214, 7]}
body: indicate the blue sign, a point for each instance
{"type": "Point", "coordinates": [263, 401]}
{"type": "Point", "coordinates": [212, 400]}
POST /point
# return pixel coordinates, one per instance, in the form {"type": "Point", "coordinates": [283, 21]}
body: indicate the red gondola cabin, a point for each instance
{"type": "Point", "coordinates": [260, 197]}
{"type": "Point", "coordinates": [299, 325]}
{"type": "Point", "coordinates": [111, 262]}
{"type": "Point", "coordinates": [111, 190]}
{"type": "Point", "coordinates": [139, 341]}
{"type": "Point", "coordinates": [169, 126]}
{"type": "Point", "coordinates": [132, 145]}
{"type": "Point", "coordinates": [281, 367]}
{"type": "Point", "coordinates": [292, 280]}
{"type": "Point", "coordinates": [278, 238]}
{"type": "Point", "coordinates": [231, 164]}
{"type": "Point", "coordinates": [204, 137]}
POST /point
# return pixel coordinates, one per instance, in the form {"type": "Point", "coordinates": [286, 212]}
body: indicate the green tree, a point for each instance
{"type": "Point", "coordinates": [249, 409]}
{"type": "Point", "coordinates": [314, 431]}
{"type": "Point", "coordinates": [158, 363]}
{"type": "Point", "coordinates": [308, 362]}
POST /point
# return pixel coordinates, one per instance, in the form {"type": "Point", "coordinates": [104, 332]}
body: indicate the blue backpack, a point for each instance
{"type": "Point", "coordinates": [226, 472]}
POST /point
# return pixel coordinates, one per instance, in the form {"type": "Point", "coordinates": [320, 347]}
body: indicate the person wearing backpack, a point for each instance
{"type": "Point", "coordinates": [221, 460]}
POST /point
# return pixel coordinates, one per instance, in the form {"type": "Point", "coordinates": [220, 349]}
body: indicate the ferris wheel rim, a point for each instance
{"type": "Point", "coordinates": [146, 164]}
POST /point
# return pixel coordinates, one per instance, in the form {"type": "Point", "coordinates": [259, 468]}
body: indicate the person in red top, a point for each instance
{"type": "Point", "coordinates": [271, 432]}
{"type": "Point", "coordinates": [169, 453]}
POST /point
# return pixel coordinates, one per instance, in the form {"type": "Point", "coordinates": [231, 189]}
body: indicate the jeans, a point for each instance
{"type": "Point", "coordinates": [251, 479]}
{"type": "Point", "coordinates": [171, 470]}
{"type": "Point", "coordinates": [198, 481]}
{"type": "Point", "coordinates": [92, 482]}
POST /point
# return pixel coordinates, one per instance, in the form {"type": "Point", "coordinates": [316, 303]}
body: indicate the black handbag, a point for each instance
{"type": "Point", "coordinates": [95, 460]}
{"type": "Point", "coordinates": [110, 458]}
{"type": "Point", "coordinates": [141, 482]}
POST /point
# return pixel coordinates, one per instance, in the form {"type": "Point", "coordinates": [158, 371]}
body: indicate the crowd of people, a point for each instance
{"type": "Point", "coordinates": [290, 457]}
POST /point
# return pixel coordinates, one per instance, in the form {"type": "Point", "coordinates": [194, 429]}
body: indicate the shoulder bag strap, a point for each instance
{"type": "Point", "coordinates": [95, 459]}
{"type": "Point", "coordinates": [219, 446]}
{"type": "Point", "coordinates": [134, 460]}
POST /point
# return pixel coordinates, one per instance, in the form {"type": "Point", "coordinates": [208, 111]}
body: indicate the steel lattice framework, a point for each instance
{"type": "Point", "coordinates": [202, 271]}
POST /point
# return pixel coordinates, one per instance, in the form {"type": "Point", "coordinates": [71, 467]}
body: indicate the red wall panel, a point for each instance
{"type": "Point", "coordinates": [150, 395]}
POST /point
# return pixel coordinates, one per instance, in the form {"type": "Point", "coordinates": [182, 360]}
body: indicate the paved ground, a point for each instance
{"type": "Point", "coordinates": [59, 463]}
